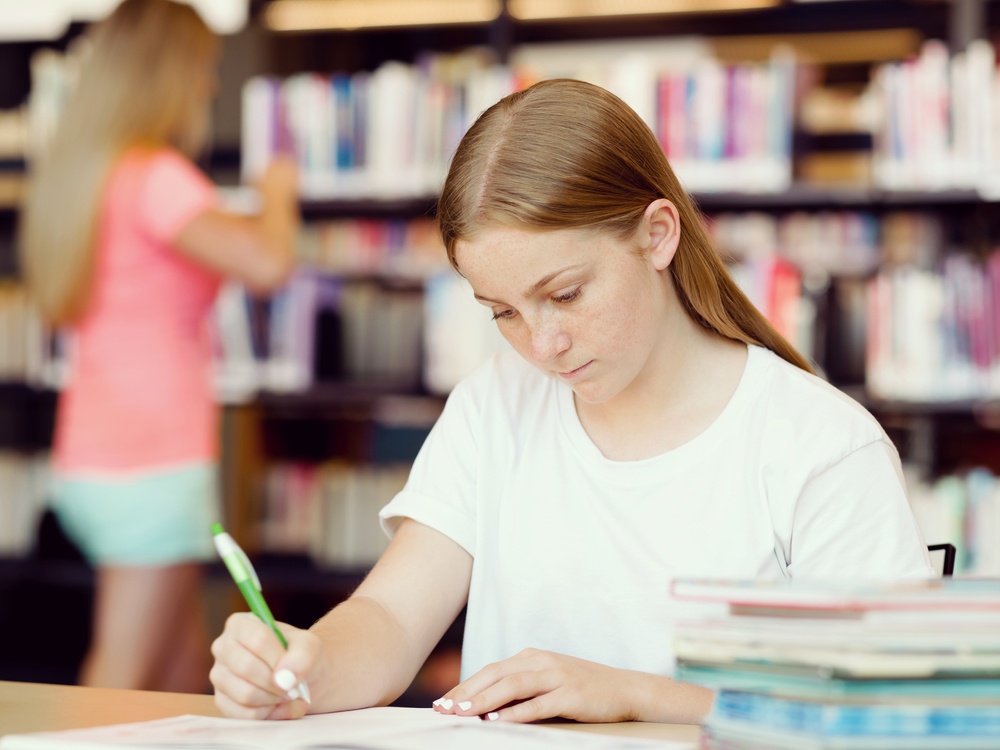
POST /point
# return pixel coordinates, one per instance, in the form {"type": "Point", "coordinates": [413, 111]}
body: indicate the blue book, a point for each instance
{"type": "Point", "coordinates": [792, 722]}
{"type": "Point", "coordinates": [820, 685]}
{"type": "Point", "coordinates": [343, 108]}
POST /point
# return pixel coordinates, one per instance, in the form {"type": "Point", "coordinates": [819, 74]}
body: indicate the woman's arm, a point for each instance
{"type": "Point", "coordinates": [257, 250]}
{"type": "Point", "coordinates": [364, 652]}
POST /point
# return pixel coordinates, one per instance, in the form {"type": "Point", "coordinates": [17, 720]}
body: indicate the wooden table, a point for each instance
{"type": "Point", "coordinates": [36, 707]}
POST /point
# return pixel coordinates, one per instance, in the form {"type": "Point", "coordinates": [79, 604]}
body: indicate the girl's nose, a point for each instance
{"type": "Point", "coordinates": [548, 341]}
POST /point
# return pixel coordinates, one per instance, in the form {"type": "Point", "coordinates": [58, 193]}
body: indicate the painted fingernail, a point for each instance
{"type": "Point", "coordinates": [285, 679]}
{"type": "Point", "coordinates": [447, 703]}
{"type": "Point", "coordinates": [465, 705]}
{"type": "Point", "coordinates": [292, 694]}
{"type": "Point", "coordinates": [492, 716]}
{"type": "Point", "coordinates": [304, 693]}
{"type": "Point", "coordinates": [438, 702]}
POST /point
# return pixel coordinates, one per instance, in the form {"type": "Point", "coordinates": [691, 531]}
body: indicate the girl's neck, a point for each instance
{"type": "Point", "coordinates": [674, 400]}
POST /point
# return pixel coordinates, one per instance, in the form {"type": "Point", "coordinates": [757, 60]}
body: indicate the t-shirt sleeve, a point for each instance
{"type": "Point", "coordinates": [174, 193]}
{"type": "Point", "coordinates": [853, 520]}
{"type": "Point", "coordinates": [441, 489]}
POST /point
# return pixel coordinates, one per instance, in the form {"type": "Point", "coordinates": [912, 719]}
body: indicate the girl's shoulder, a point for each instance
{"type": "Point", "coordinates": [161, 169]}
{"type": "Point", "coordinates": [161, 160]}
{"type": "Point", "coordinates": [157, 190]}
{"type": "Point", "coordinates": [795, 396]}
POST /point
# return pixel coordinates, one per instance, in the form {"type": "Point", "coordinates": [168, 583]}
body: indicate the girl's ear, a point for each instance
{"type": "Point", "coordinates": [660, 232]}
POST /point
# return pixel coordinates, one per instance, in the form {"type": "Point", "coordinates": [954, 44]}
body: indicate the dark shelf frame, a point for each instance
{"type": "Point", "coordinates": [801, 195]}
{"type": "Point", "coordinates": [808, 196]}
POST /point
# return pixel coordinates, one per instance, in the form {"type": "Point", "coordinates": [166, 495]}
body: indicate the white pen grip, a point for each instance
{"type": "Point", "coordinates": [229, 549]}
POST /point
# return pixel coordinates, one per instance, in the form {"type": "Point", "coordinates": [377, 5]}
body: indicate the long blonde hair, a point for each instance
{"type": "Point", "coordinates": [567, 154]}
{"type": "Point", "coordinates": [138, 85]}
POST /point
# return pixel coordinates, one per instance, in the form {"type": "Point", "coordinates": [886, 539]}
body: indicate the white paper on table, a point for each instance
{"type": "Point", "coordinates": [391, 728]}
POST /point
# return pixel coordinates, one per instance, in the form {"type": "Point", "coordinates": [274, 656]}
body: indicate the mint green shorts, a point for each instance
{"type": "Point", "coordinates": [155, 518]}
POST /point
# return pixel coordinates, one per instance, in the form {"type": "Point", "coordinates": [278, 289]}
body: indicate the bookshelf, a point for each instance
{"type": "Point", "coordinates": [343, 418]}
{"type": "Point", "coordinates": [843, 41]}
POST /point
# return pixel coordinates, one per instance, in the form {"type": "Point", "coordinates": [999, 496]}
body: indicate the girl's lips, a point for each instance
{"type": "Point", "coordinates": [573, 373]}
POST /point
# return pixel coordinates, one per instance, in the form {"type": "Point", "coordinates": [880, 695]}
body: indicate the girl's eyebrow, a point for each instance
{"type": "Point", "coordinates": [537, 285]}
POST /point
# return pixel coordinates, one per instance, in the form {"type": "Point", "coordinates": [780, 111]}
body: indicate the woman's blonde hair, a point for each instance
{"type": "Point", "coordinates": [567, 154]}
{"type": "Point", "coordinates": [139, 85]}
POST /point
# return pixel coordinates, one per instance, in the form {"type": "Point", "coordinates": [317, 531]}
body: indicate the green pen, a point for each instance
{"type": "Point", "coordinates": [242, 571]}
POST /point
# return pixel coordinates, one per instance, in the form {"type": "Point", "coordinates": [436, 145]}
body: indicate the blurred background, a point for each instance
{"type": "Point", "coordinates": [846, 155]}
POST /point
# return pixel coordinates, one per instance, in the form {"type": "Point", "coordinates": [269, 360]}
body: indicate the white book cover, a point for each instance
{"type": "Point", "coordinates": [458, 333]}
{"type": "Point", "coordinates": [392, 171]}
{"type": "Point", "coordinates": [236, 371]}
{"type": "Point", "coordinates": [259, 105]}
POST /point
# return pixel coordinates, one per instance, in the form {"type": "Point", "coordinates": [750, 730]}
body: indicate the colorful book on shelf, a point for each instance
{"type": "Point", "coordinates": [290, 332]}
{"type": "Point", "coordinates": [345, 121]}
{"type": "Point", "coordinates": [236, 371]}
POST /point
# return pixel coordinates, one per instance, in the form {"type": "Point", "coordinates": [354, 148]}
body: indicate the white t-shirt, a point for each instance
{"type": "Point", "coordinates": [574, 553]}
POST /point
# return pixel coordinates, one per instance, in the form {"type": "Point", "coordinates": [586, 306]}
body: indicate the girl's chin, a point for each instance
{"type": "Point", "coordinates": [590, 394]}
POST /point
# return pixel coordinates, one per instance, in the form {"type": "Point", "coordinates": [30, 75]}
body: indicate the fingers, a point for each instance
{"type": "Point", "coordinates": [522, 688]}
{"type": "Point", "coordinates": [303, 650]}
{"type": "Point", "coordinates": [280, 711]}
{"type": "Point", "coordinates": [536, 685]}
{"type": "Point", "coordinates": [296, 667]}
{"type": "Point", "coordinates": [246, 654]}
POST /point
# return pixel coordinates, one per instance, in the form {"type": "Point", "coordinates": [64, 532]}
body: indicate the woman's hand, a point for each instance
{"type": "Point", "coordinates": [251, 667]}
{"type": "Point", "coordinates": [536, 685]}
{"type": "Point", "coordinates": [280, 181]}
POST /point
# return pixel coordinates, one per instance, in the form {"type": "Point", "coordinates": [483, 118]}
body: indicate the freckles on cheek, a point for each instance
{"type": "Point", "coordinates": [620, 326]}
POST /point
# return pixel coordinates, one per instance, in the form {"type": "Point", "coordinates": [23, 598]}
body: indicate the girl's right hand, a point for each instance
{"type": "Point", "coordinates": [248, 660]}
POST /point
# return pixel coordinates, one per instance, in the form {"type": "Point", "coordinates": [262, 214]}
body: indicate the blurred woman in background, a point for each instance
{"type": "Point", "coordinates": [124, 243]}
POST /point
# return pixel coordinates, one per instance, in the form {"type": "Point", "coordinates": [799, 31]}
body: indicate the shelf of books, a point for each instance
{"type": "Point", "coordinates": [883, 268]}
{"type": "Point", "coordinates": [389, 133]}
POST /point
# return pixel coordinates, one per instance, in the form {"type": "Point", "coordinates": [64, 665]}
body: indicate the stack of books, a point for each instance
{"type": "Point", "coordinates": [878, 666]}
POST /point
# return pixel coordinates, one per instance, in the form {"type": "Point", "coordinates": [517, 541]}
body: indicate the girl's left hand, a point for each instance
{"type": "Point", "coordinates": [536, 685]}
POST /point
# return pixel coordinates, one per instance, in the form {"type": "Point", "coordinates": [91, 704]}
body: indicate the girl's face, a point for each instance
{"type": "Point", "coordinates": [583, 307]}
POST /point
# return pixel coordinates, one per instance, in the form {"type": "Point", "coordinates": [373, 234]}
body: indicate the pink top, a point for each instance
{"type": "Point", "coordinates": [139, 394]}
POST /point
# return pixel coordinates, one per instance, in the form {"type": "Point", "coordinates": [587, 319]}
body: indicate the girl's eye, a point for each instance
{"type": "Point", "coordinates": [503, 314]}
{"type": "Point", "coordinates": [569, 296]}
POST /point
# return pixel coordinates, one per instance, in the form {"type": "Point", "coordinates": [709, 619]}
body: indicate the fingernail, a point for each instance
{"type": "Point", "coordinates": [285, 679]}
{"type": "Point", "coordinates": [492, 716]}
{"type": "Point", "coordinates": [292, 694]}
{"type": "Point", "coordinates": [304, 693]}
{"type": "Point", "coordinates": [447, 703]}
{"type": "Point", "coordinates": [438, 702]}
{"type": "Point", "coordinates": [465, 705]}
